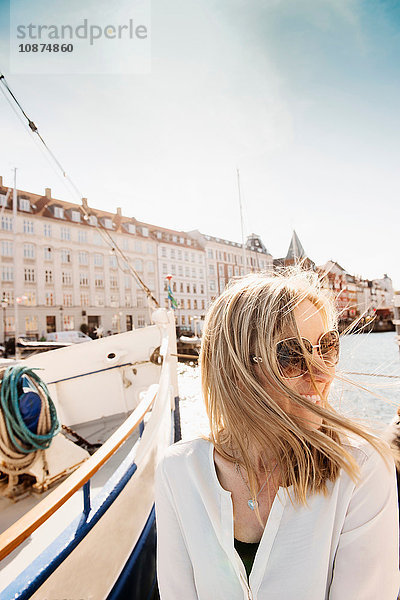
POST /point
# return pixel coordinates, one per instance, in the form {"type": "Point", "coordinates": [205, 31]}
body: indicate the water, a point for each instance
{"type": "Point", "coordinates": [373, 353]}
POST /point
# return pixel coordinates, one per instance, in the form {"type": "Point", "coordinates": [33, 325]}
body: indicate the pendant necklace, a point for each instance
{"type": "Point", "coordinates": [253, 502]}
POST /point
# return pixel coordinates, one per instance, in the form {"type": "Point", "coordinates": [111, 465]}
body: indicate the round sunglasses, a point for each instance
{"type": "Point", "coordinates": [291, 357]}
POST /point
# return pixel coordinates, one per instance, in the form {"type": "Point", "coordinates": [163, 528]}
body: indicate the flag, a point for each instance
{"type": "Point", "coordinates": [172, 300]}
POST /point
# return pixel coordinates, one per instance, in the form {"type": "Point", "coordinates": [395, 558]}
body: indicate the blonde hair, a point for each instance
{"type": "Point", "coordinates": [247, 319]}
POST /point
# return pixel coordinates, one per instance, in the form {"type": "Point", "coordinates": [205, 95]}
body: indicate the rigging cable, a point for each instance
{"type": "Point", "coordinates": [105, 234]}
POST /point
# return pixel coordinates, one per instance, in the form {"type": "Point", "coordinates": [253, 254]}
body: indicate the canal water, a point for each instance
{"type": "Point", "coordinates": [367, 387]}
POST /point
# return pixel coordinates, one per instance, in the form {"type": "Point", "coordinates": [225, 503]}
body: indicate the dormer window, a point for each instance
{"type": "Point", "coordinates": [130, 227]}
{"type": "Point", "coordinates": [3, 200]}
{"type": "Point", "coordinates": [76, 216]}
{"type": "Point", "coordinates": [58, 212]}
{"type": "Point", "coordinates": [93, 220]}
{"type": "Point", "coordinates": [145, 231]}
{"type": "Point", "coordinates": [159, 235]}
{"type": "Point", "coordinates": [108, 224]}
{"type": "Point", "coordinates": [24, 204]}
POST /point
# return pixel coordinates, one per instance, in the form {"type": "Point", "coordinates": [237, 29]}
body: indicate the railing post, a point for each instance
{"type": "Point", "coordinates": [86, 499]}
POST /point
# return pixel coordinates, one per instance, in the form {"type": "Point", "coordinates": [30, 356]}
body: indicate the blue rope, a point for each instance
{"type": "Point", "coordinates": [16, 427]}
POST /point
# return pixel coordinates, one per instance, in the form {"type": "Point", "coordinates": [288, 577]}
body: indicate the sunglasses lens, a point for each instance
{"type": "Point", "coordinates": [329, 347]}
{"type": "Point", "coordinates": [290, 357]}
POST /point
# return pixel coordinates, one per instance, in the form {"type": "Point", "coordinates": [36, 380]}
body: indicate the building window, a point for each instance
{"type": "Point", "coordinates": [211, 269]}
{"type": "Point", "coordinates": [6, 223]}
{"type": "Point", "coordinates": [108, 224]}
{"type": "Point", "coordinates": [48, 276]}
{"type": "Point", "coordinates": [194, 289]}
{"type": "Point", "coordinates": [29, 275]}
{"type": "Point", "coordinates": [83, 279]}
{"type": "Point", "coordinates": [202, 288]}
{"type": "Point", "coordinates": [66, 278]}
{"type": "Point", "coordinates": [150, 266]}
{"type": "Point", "coordinates": [230, 272]}
{"type": "Point", "coordinates": [68, 323]}
{"type": "Point", "coordinates": [172, 253]}
{"type": "Point", "coordinates": [49, 298]}
{"type": "Point", "coordinates": [125, 244]}
{"type": "Point", "coordinates": [203, 304]}
{"type": "Point", "coordinates": [138, 265]}
{"type": "Point", "coordinates": [200, 257]}
{"type": "Point", "coordinates": [65, 255]}
{"type": "Point", "coordinates": [163, 251]}
{"type": "Point", "coordinates": [30, 299]}
{"type": "Point", "coordinates": [131, 228]}
{"type": "Point", "coordinates": [93, 220]}
{"type": "Point", "coordinates": [66, 234]}
{"type": "Point", "coordinates": [31, 324]}
{"type": "Point", "coordinates": [82, 237]}
{"type": "Point", "coordinates": [173, 270]}
{"type": "Point", "coordinates": [113, 282]}
{"type": "Point", "coordinates": [187, 271]}
{"type": "Point", "coordinates": [97, 239]}
{"type": "Point", "coordinates": [99, 282]}
{"type": "Point", "coordinates": [183, 320]}
{"type": "Point", "coordinates": [186, 256]}
{"type": "Point", "coordinates": [67, 300]}
{"type": "Point", "coordinates": [114, 300]}
{"type": "Point", "coordinates": [28, 226]}
{"type": "Point", "coordinates": [112, 260]}
{"type": "Point", "coordinates": [48, 253]}
{"type": "Point", "coordinates": [181, 288]}
{"type": "Point", "coordinates": [76, 216]}
{"type": "Point", "coordinates": [188, 288]}
{"type": "Point", "coordinates": [47, 230]}
{"type": "Point", "coordinates": [188, 303]}
{"type": "Point", "coordinates": [24, 204]}
{"type": "Point", "coordinates": [84, 299]}
{"type": "Point", "coordinates": [99, 300]}
{"type": "Point", "coordinates": [138, 247]}
{"type": "Point", "coordinates": [58, 212]}
{"type": "Point", "coordinates": [194, 274]}
{"type": "Point", "coordinates": [127, 282]}
{"type": "Point", "coordinates": [98, 260]}
{"type": "Point", "coordinates": [83, 258]}
{"type": "Point", "coordinates": [29, 251]}
{"type": "Point", "coordinates": [164, 268]}
{"type": "Point", "coordinates": [195, 304]}
{"type": "Point", "coordinates": [180, 270]}
{"type": "Point", "coordinates": [6, 248]}
{"type": "Point", "coordinates": [212, 286]}
{"type": "Point", "coordinates": [128, 301]}
{"type": "Point", "coordinates": [141, 321]}
{"type": "Point", "coordinates": [145, 231]}
{"type": "Point", "coordinates": [7, 273]}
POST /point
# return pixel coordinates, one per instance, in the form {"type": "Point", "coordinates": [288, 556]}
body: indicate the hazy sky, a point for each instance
{"type": "Point", "coordinates": [302, 96]}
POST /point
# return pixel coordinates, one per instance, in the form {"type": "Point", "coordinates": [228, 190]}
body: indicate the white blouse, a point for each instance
{"type": "Point", "coordinates": [343, 546]}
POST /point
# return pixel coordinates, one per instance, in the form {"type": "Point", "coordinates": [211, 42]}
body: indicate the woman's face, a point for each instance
{"type": "Point", "coordinates": [311, 326]}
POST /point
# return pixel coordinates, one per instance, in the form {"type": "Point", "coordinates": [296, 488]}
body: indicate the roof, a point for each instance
{"type": "Point", "coordinates": [296, 250]}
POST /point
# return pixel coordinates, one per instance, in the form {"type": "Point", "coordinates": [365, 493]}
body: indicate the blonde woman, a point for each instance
{"type": "Point", "coordinates": [287, 499]}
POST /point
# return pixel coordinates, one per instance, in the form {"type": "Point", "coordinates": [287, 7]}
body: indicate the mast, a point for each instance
{"type": "Point", "coordinates": [16, 324]}
{"type": "Point", "coordinates": [242, 225]}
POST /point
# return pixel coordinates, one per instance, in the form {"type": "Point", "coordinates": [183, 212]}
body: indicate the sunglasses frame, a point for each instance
{"type": "Point", "coordinates": [258, 359]}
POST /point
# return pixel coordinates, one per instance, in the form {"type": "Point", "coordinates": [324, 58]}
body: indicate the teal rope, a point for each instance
{"type": "Point", "coordinates": [17, 430]}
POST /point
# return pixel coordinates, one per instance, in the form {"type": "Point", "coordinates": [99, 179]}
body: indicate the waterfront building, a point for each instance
{"type": "Point", "coordinates": [180, 255]}
{"type": "Point", "coordinates": [225, 259]}
{"type": "Point", "coordinates": [62, 272]}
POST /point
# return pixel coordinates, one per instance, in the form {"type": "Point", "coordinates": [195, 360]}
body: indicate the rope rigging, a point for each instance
{"type": "Point", "coordinates": [106, 236]}
{"type": "Point", "coordinates": [19, 442]}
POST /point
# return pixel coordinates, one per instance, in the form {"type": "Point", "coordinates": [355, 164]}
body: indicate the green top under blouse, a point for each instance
{"type": "Point", "coordinates": [247, 553]}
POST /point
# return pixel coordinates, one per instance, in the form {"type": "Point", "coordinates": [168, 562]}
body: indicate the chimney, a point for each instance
{"type": "Point", "coordinates": [1, 181]}
{"type": "Point", "coordinates": [47, 193]}
{"type": "Point", "coordinates": [119, 213]}
{"type": "Point", "coordinates": [85, 204]}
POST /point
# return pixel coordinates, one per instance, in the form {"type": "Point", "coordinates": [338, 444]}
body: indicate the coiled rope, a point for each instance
{"type": "Point", "coordinates": [18, 444]}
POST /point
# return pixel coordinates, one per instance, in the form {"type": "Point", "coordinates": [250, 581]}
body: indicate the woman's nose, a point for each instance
{"type": "Point", "coordinates": [319, 368]}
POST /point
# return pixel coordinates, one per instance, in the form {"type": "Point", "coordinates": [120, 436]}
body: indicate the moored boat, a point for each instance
{"type": "Point", "coordinates": [93, 536]}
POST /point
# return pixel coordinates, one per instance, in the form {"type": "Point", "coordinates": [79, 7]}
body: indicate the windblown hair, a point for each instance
{"type": "Point", "coordinates": [247, 320]}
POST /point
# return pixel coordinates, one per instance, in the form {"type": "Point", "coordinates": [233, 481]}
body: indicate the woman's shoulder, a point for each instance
{"type": "Point", "coordinates": [186, 451]}
{"type": "Point", "coordinates": [366, 455]}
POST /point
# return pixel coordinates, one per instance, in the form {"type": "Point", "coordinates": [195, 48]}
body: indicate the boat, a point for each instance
{"type": "Point", "coordinates": [84, 526]}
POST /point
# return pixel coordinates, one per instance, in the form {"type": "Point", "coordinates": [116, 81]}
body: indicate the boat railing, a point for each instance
{"type": "Point", "coordinates": [32, 520]}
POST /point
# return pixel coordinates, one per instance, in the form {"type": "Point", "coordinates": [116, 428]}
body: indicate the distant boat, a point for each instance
{"type": "Point", "coordinates": [93, 536]}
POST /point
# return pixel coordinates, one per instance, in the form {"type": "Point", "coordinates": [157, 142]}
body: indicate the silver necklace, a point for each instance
{"type": "Point", "coordinates": [253, 502]}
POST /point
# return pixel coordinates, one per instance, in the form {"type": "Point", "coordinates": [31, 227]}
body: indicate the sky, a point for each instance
{"type": "Point", "coordinates": [302, 96]}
